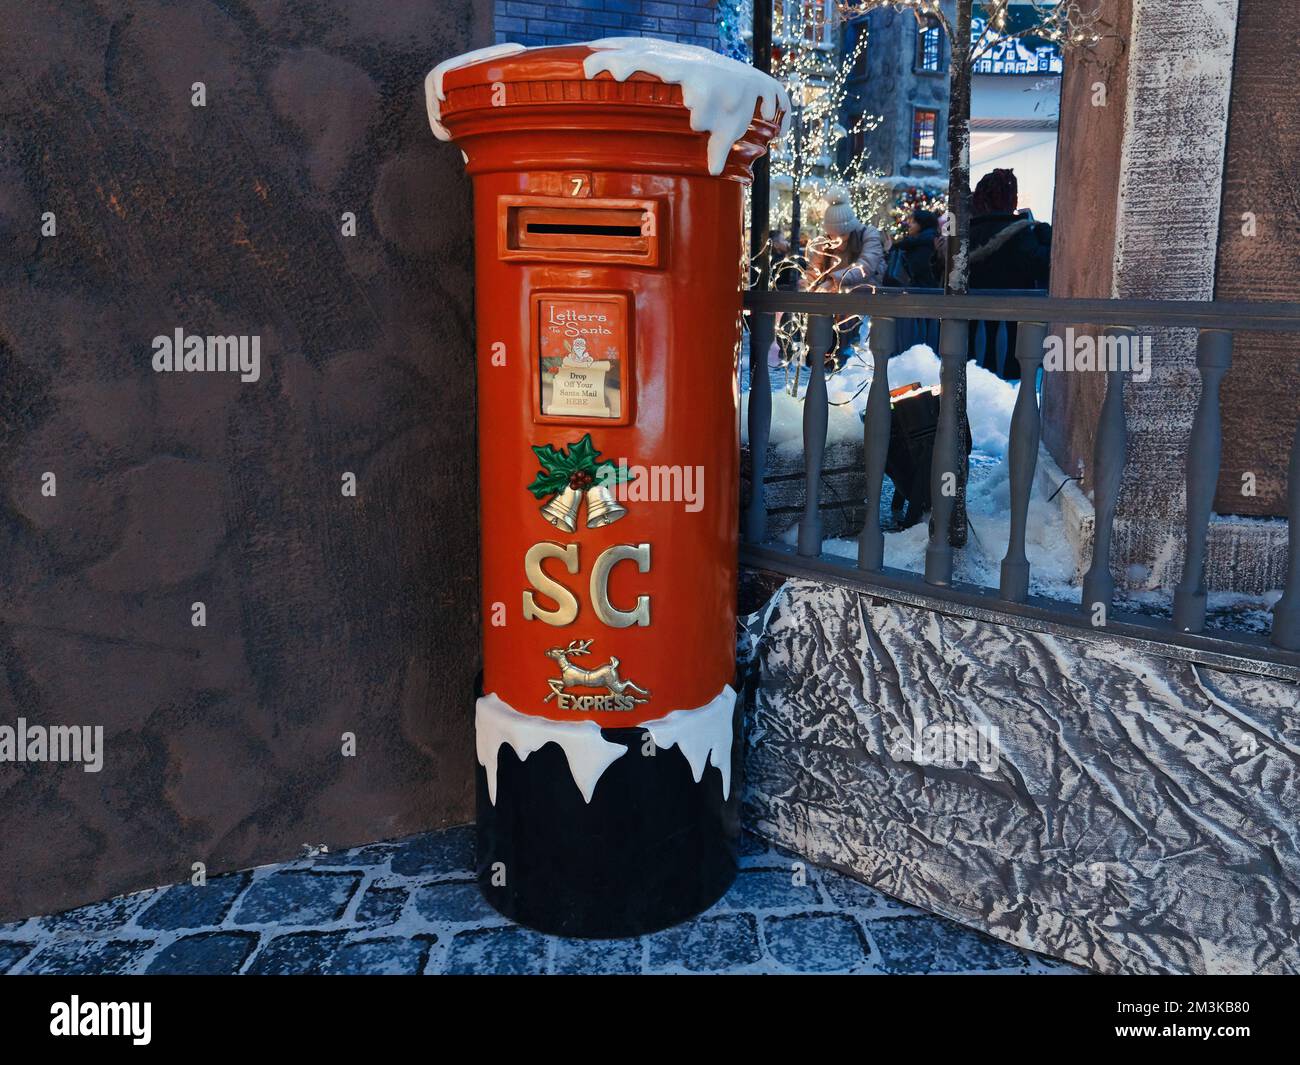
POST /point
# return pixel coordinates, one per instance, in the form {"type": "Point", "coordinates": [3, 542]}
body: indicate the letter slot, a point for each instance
{"type": "Point", "coordinates": [607, 231]}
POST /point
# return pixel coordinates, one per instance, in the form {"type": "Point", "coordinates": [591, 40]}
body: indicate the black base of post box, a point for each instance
{"type": "Point", "coordinates": [651, 849]}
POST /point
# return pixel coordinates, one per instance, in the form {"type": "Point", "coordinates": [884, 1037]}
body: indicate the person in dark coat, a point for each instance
{"type": "Point", "coordinates": [912, 257]}
{"type": "Point", "coordinates": [1008, 249]}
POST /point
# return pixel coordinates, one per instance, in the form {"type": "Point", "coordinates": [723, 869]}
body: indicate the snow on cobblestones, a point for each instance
{"type": "Point", "coordinates": [412, 906]}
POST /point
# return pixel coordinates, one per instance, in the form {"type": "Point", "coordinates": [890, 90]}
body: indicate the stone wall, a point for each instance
{"type": "Point", "coordinates": [843, 489]}
{"type": "Point", "coordinates": [324, 614]}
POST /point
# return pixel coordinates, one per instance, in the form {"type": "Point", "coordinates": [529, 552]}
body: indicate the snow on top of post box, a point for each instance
{"type": "Point", "coordinates": [433, 94]}
{"type": "Point", "coordinates": [720, 93]}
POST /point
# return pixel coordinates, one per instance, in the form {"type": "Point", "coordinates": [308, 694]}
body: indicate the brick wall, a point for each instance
{"type": "Point", "coordinates": [534, 23]}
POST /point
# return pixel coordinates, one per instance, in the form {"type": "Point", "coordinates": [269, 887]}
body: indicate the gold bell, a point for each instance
{"type": "Point", "coordinates": [562, 510]}
{"type": "Point", "coordinates": [602, 507]}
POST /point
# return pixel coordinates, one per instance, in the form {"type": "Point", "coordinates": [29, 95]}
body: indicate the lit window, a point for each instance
{"type": "Point", "coordinates": [924, 125]}
{"type": "Point", "coordinates": [929, 46]}
{"type": "Point", "coordinates": [814, 21]}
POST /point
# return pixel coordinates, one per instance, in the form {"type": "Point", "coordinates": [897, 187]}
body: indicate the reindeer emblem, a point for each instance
{"type": "Point", "coordinates": [605, 676]}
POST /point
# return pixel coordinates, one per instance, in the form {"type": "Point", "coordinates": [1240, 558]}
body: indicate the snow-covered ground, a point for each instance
{"type": "Point", "coordinates": [1053, 570]}
{"type": "Point", "coordinates": [988, 494]}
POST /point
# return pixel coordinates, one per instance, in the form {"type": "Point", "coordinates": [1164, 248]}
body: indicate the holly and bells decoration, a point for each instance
{"type": "Point", "coordinates": [570, 474]}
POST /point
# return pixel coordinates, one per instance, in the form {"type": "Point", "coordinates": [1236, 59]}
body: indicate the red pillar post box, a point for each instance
{"type": "Point", "coordinates": [608, 181]}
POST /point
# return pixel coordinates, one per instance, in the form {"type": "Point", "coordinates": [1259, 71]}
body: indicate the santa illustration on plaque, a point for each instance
{"type": "Point", "coordinates": [576, 353]}
{"type": "Point", "coordinates": [579, 347]}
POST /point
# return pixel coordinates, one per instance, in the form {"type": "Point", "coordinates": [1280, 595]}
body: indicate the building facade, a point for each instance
{"type": "Point", "coordinates": [901, 78]}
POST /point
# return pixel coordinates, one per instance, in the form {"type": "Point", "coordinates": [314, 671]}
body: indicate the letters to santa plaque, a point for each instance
{"type": "Point", "coordinates": [582, 356]}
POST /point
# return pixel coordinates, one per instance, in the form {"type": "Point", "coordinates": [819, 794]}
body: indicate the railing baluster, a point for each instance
{"type": "Point", "coordinates": [981, 343]}
{"type": "Point", "coordinates": [949, 439]}
{"type": "Point", "coordinates": [875, 442]}
{"type": "Point", "coordinates": [1022, 458]}
{"type": "Point", "coordinates": [1286, 613]}
{"type": "Point", "coordinates": [1213, 357]}
{"type": "Point", "coordinates": [762, 329]}
{"type": "Point", "coordinates": [1108, 454]}
{"type": "Point", "coordinates": [820, 336]}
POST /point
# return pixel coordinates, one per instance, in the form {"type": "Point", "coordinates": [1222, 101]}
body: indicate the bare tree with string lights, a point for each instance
{"type": "Point", "coordinates": [807, 60]}
{"type": "Point", "coordinates": [808, 162]}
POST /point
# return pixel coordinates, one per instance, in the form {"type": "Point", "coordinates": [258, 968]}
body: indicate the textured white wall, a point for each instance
{"type": "Point", "coordinates": [1167, 225]}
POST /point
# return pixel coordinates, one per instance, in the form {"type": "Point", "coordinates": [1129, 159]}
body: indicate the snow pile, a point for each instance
{"type": "Point", "coordinates": [842, 423]}
{"type": "Point", "coordinates": [989, 401]}
{"type": "Point", "coordinates": [433, 94]}
{"type": "Point", "coordinates": [1052, 542]}
{"type": "Point", "coordinates": [1053, 571]}
{"type": "Point", "coordinates": [989, 405]}
{"type": "Point", "coordinates": [720, 93]}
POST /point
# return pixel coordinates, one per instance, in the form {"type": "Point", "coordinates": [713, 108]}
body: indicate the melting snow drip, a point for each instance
{"type": "Point", "coordinates": [433, 94]}
{"type": "Point", "coordinates": [588, 753]}
{"type": "Point", "coordinates": [720, 93]}
{"type": "Point", "coordinates": [703, 735]}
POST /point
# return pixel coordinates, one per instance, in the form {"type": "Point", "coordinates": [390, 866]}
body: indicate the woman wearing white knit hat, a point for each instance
{"type": "Point", "coordinates": [855, 253]}
{"type": "Point", "coordinates": [850, 256]}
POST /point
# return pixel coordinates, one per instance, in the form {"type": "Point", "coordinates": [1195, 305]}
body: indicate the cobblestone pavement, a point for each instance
{"type": "Point", "coordinates": [412, 907]}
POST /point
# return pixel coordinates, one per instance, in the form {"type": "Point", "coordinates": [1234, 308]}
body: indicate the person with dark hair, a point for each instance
{"type": "Point", "coordinates": [912, 260]}
{"type": "Point", "coordinates": [1008, 249]}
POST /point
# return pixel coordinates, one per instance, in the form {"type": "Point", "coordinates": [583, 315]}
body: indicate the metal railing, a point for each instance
{"type": "Point", "coordinates": [991, 334]}
{"type": "Point", "coordinates": [1216, 323]}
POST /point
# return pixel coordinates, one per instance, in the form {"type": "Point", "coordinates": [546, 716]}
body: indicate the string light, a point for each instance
{"type": "Point", "coordinates": [809, 157]}
{"type": "Point", "coordinates": [914, 199]}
